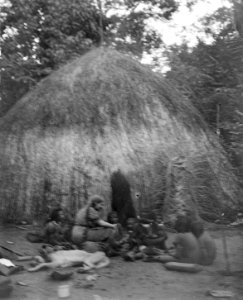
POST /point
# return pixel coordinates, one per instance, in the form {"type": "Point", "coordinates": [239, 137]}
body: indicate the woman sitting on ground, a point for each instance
{"type": "Point", "coordinates": [56, 230]}
{"type": "Point", "coordinates": [186, 245]}
{"type": "Point", "coordinates": [207, 245]}
{"type": "Point", "coordinates": [90, 226]}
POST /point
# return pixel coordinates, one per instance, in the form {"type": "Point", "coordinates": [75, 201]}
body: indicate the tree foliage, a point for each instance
{"type": "Point", "coordinates": [129, 29]}
{"type": "Point", "coordinates": [211, 76]}
{"type": "Point", "coordinates": [39, 35]}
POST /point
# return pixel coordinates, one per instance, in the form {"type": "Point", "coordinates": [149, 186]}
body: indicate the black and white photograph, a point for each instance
{"type": "Point", "coordinates": [121, 149]}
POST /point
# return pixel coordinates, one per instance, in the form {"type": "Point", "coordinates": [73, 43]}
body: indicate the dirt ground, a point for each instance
{"type": "Point", "coordinates": [133, 280]}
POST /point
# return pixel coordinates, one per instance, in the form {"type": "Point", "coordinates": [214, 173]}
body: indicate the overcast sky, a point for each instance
{"type": "Point", "coordinates": [185, 26]}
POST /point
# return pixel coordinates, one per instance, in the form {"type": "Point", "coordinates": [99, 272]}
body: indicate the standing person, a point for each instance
{"type": "Point", "coordinates": [206, 243]}
{"type": "Point", "coordinates": [89, 224]}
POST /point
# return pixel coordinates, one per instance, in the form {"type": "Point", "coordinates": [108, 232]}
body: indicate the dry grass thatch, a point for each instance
{"type": "Point", "coordinates": [100, 113]}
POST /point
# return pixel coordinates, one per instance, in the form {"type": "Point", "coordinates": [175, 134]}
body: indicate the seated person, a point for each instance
{"type": "Point", "coordinates": [206, 243]}
{"type": "Point", "coordinates": [186, 244]}
{"type": "Point", "coordinates": [89, 224]}
{"type": "Point", "coordinates": [133, 239]}
{"type": "Point", "coordinates": [112, 217]}
{"type": "Point", "coordinates": [56, 230]}
{"type": "Point", "coordinates": [157, 235]}
{"type": "Point", "coordinates": [113, 247]}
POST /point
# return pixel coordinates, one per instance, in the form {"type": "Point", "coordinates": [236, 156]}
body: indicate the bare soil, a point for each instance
{"type": "Point", "coordinates": [133, 280]}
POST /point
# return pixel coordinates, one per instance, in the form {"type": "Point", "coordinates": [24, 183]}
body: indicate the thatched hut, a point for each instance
{"type": "Point", "coordinates": [100, 113]}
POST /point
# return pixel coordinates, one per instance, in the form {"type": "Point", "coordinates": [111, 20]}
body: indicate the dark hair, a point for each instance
{"type": "Point", "coordinates": [197, 228]}
{"type": "Point", "coordinates": [183, 224]}
{"type": "Point", "coordinates": [111, 215]}
{"type": "Point", "coordinates": [96, 199]}
{"type": "Point", "coordinates": [132, 220]}
{"type": "Point", "coordinates": [54, 216]}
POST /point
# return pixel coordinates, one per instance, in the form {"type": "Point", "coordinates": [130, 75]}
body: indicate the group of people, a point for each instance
{"type": "Point", "coordinates": [110, 235]}
{"type": "Point", "coordinates": [193, 244]}
{"type": "Point", "coordinates": [91, 232]}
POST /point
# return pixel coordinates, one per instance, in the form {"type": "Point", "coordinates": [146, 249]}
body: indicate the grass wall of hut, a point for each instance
{"type": "Point", "coordinates": [103, 112]}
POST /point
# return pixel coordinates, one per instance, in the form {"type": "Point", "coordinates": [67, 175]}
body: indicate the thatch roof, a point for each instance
{"type": "Point", "coordinates": [100, 113]}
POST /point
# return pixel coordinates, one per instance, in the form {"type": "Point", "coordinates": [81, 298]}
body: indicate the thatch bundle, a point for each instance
{"type": "Point", "coordinates": [100, 113]}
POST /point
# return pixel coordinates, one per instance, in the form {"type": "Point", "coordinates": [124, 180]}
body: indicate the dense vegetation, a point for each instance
{"type": "Point", "coordinates": [38, 36]}
{"type": "Point", "coordinates": [212, 77]}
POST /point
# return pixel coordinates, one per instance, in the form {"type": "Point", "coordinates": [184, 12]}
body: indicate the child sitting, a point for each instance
{"type": "Point", "coordinates": [133, 239]}
{"type": "Point", "coordinates": [157, 235]}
